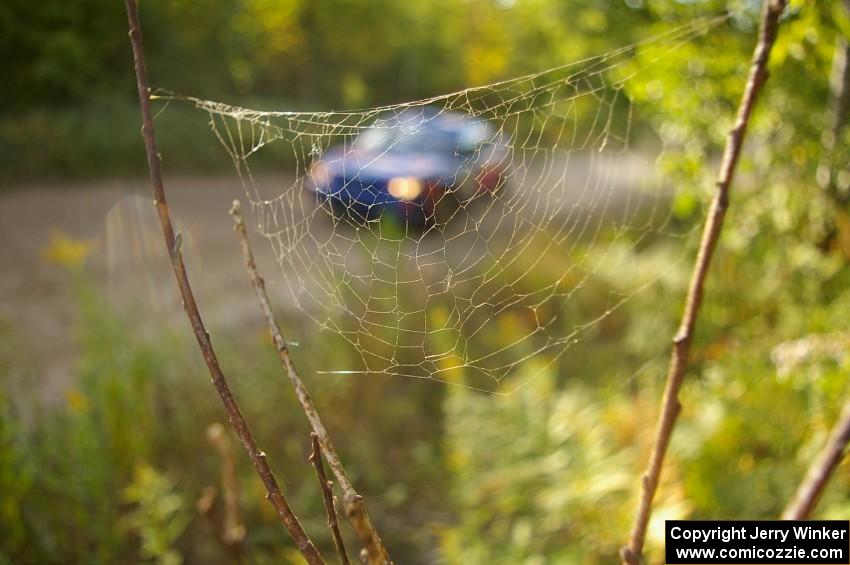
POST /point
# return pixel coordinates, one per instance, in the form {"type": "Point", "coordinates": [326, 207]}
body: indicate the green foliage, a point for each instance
{"type": "Point", "coordinates": [70, 90]}
{"type": "Point", "coordinates": [752, 422]}
{"type": "Point", "coordinates": [545, 474]}
{"type": "Point", "coordinates": [541, 476]}
{"type": "Point", "coordinates": [16, 476]}
{"type": "Point", "coordinates": [99, 137]}
{"type": "Point", "coordinates": [54, 53]}
{"type": "Point", "coordinates": [87, 451]}
{"type": "Point", "coordinates": [160, 515]}
{"type": "Point", "coordinates": [123, 453]}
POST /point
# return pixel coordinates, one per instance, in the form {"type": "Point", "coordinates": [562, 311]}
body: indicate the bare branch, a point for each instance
{"type": "Point", "coordinates": [207, 505]}
{"type": "Point", "coordinates": [258, 458]}
{"type": "Point", "coordinates": [353, 504]}
{"type": "Point", "coordinates": [232, 528]}
{"type": "Point", "coordinates": [631, 554]}
{"type": "Point", "coordinates": [328, 496]}
{"type": "Point", "coordinates": [819, 474]}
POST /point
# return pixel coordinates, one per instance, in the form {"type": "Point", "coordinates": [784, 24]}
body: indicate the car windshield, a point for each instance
{"type": "Point", "coordinates": [405, 139]}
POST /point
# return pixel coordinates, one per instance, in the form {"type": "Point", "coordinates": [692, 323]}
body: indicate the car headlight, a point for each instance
{"type": "Point", "coordinates": [320, 175]}
{"type": "Point", "coordinates": [405, 188]}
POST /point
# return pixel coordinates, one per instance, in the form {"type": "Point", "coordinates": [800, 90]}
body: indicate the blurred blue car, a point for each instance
{"type": "Point", "coordinates": [417, 165]}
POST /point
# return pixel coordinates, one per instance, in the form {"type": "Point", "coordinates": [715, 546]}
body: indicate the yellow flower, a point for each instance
{"type": "Point", "coordinates": [67, 251]}
{"type": "Point", "coordinates": [77, 401]}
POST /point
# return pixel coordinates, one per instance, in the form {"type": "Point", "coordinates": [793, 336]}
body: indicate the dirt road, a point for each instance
{"type": "Point", "coordinates": [127, 259]}
{"type": "Point", "coordinates": [116, 220]}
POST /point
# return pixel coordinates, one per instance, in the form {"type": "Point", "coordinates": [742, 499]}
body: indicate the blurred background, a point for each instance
{"type": "Point", "coordinates": [109, 445]}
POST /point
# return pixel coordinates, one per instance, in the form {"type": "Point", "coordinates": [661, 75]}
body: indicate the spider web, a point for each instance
{"type": "Point", "coordinates": [473, 284]}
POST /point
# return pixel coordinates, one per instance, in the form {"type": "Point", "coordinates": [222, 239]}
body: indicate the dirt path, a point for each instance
{"type": "Point", "coordinates": [130, 265]}
{"type": "Point", "coordinates": [127, 260]}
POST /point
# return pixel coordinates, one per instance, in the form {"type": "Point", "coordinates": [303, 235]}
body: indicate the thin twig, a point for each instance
{"type": "Point", "coordinates": [207, 506]}
{"type": "Point", "coordinates": [353, 504]}
{"type": "Point", "coordinates": [258, 458]}
{"type": "Point", "coordinates": [818, 475]}
{"type": "Point", "coordinates": [631, 554]}
{"type": "Point", "coordinates": [327, 494]}
{"type": "Point", "coordinates": [232, 530]}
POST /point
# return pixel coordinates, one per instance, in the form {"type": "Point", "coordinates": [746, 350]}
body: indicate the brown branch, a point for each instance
{"type": "Point", "coordinates": [207, 506]}
{"type": "Point", "coordinates": [353, 504]}
{"type": "Point", "coordinates": [819, 474]}
{"type": "Point", "coordinates": [631, 554]}
{"type": "Point", "coordinates": [232, 529]}
{"type": "Point", "coordinates": [258, 458]}
{"type": "Point", "coordinates": [328, 496]}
